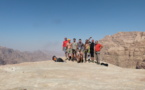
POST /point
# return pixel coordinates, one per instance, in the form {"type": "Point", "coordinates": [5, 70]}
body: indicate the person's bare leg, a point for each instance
{"type": "Point", "coordinates": [66, 55]}
{"type": "Point", "coordinates": [82, 58]}
{"type": "Point", "coordinates": [78, 59]}
{"type": "Point", "coordinates": [97, 58]}
{"type": "Point", "coordinates": [92, 59]}
{"type": "Point", "coordinates": [85, 55]}
{"type": "Point", "coordinates": [72, 57]}
{"type": "Point", "coordinates": [75, 56]}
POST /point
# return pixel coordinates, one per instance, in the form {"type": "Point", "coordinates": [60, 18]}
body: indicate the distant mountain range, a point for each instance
{"type": "Point", "coordinates": [10, 56]}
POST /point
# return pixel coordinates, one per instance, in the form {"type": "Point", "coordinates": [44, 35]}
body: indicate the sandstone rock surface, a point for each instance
{"type": "Point", "coordinates": [49, 75]}
{"type": "Point", "coordinates": [124, 49]}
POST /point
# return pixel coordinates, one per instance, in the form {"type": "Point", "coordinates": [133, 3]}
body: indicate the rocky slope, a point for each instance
{"type": "Point", "coordinates": [10, 56]}
{"type": "Point", "coordinates": [125, 49]}
{"type": "Point", "coordinates": [49, 75]}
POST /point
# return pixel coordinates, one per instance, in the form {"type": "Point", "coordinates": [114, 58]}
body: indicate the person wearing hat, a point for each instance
{"type": "Point", "coordinates": [69, 49]}
{"type": "Point", "coordinates": [74, 49]}
{"type": "Point", "coordinates": [64, 46]}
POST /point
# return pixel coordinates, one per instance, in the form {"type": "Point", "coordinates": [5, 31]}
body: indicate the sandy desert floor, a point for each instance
{"type": "Point", "coordinates": [49, 75]}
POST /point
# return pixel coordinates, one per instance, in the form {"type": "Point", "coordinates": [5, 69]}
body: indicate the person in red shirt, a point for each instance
{"type": "Point", "coordinates": [64, 46]}
{"type": "Point", "coordinates": [97, 49]}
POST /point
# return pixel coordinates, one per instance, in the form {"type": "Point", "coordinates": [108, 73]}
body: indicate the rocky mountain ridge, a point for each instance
{"type": "Point", "coordinates": [10, 56]}
{"type": "Point", "coordinates": [124, 49]}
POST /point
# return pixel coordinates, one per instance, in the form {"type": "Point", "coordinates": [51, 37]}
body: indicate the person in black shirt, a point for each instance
{"type": "Point", "coordinates": [92, 50]}
{"type": "Point", "coordinates": [54, 58]}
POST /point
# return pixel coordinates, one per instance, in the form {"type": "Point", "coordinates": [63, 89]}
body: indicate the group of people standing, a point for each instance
{"type": "Point", "coordinates": [80, 52]}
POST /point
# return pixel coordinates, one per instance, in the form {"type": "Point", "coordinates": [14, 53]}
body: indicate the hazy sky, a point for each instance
{"type": "Point", "coordinates": [43, 24]}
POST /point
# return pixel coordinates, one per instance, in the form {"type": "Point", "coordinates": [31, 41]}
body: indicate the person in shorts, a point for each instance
{"type": "Point", "coordinates": [64, 47]}
{"type": "Point", "coordinates": [80, 50]}
{"type": "Point", "coordinates": [69, 49]}
{"type": "Point", "coordinates": [87, 51]}
{"type": "Point", "coordinates": [74, 49]}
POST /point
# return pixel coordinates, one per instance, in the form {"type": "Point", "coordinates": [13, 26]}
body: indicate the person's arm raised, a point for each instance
{"type": "Point", "coordinates": [89, 39]}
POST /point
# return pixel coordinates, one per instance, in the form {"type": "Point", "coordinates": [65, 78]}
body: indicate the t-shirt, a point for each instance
{"type": "Point", "coordinates": [92, 46]}
{"type": "Point", "coordinates": [98, 47]}
{"type": "Point", "coordinates": [74, 45]}
{"type": "Point", "coordinates": [65, 43]}
{"type": "Point", "coordinates": [80, 46]}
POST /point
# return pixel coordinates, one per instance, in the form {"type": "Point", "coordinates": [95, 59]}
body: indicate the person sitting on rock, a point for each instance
{"type": "Point", "coordinates": [80, 56]}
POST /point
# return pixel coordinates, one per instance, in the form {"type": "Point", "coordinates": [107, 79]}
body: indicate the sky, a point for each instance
{"type": "Point", "coordinates": [30, 25]}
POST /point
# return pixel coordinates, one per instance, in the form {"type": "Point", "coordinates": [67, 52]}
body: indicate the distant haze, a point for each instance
{"type": "Point", "coordinates": [30, 25]}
